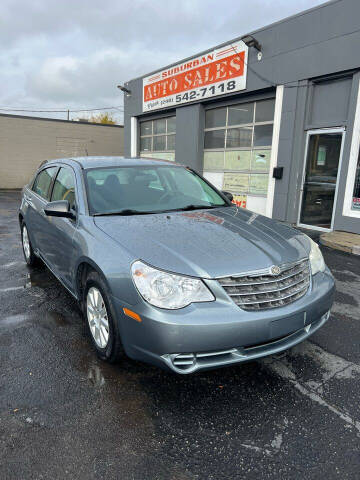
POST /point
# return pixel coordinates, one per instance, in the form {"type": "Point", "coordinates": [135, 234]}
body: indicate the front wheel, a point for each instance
{"type": "Point", "coordinates": [30, 257]}
{"type": "Point", "coordinates": [101, 319]}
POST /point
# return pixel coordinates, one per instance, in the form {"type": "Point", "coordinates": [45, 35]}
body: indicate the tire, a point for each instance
{"type": "Point", "coordinates": [106, 339]}
{"type": "Point", "coordinates": [30, 258]}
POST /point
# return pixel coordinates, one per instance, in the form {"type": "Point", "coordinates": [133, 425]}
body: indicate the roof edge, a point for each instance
{"type": "Point", "coordinates": [29, 117]}
{"type": "Point", "coordinates": [261, 29]}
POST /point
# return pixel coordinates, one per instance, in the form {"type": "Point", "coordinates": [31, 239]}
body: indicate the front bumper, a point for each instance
{"type": "Point", "coordinates": [213, 334]}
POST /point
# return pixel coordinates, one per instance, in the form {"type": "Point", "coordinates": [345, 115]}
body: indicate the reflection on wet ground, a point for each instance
{"type": "Point", "coordinates": [40, 277]}
{"type": "Point", "coordinates": [63, 412]}
{"type": "Point", "coordinates": [95, 376]}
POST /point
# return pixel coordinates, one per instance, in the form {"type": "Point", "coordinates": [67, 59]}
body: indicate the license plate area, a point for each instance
{"type": "Point", "coordinates": [286, 326]}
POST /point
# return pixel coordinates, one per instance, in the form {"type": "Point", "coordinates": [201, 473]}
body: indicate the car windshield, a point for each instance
{"type": "Point", "coordinates": [148, 189]}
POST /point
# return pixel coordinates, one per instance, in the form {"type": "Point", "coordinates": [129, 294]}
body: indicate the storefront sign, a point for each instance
{"type": "Point", "coordinates": [240, 200]}
{"type": "Point", "coordinates": [236, 182]}
{"type": "Point", "coordinates": [259, 183]}
{"type": "Point", "coordinates": [356, 203]}
{"type": "Point", "coordinates": [215, 73]}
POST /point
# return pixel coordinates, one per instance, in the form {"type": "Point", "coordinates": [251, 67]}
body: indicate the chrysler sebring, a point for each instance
{"type": "Point", "coordinates": [166, 268]}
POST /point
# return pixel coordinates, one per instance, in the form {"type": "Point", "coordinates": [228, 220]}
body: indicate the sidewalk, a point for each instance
{"type": "Point", "coordinates": [347, 242]}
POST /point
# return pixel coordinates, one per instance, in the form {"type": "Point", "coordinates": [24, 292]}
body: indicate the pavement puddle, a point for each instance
{"type": "Point", "coordinates": [39, 278]}
{"type": "Point", "coordinates": [11, 264]}
{"type": "Point", "coordinates": [14, 321]}
{"type": "Point", "coordinates": [47, 319]}
{"type": "Point", "coordinates": [349, 305]}
{"type": "Point", "coordinates": [95, 376]}
{"type": "Point", "coordinates": [10, 289]}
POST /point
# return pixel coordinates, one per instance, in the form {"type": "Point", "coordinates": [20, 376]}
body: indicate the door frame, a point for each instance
{"type": "Point", "coordinates": [315, 131]}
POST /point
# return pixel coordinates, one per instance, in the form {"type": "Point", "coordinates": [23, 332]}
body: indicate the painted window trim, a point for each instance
{"type": "Point", "coordinates": [274, 149]}
{"type": "Point", "coordinates": [353, 159]}
{"type": "Point", "coordinates": [319, 131]}
{"type": "Point", "coordinates": [133, 137]}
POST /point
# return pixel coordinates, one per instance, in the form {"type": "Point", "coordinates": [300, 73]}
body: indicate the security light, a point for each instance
{"type": "Point", "coordinates": [250, 41]}
{"type": "Point", "coordinates": [124, 89]}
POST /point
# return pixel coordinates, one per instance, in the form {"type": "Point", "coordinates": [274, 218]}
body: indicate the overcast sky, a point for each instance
{"type": "Point", "coordinates": [72, 54]}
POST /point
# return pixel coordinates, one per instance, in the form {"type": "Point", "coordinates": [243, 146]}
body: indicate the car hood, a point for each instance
{"type": "Point", "coordinates": [207, 243]}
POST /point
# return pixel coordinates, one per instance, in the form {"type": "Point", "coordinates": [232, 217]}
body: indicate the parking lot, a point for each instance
{"type": "Point", "coordinates": [65, 414]}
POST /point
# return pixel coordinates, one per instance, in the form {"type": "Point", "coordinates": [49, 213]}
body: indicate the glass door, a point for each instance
{"type": "Point", "coordinates": [318, 193]}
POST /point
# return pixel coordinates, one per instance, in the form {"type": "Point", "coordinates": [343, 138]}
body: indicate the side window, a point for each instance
{"type": "Point", "coordinates": [64, 186]}
{"type": "Point", "coordinates": [43, 182]}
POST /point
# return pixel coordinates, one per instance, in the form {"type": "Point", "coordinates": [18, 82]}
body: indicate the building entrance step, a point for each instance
{"type": "Point", "coordinates": [345, 241]}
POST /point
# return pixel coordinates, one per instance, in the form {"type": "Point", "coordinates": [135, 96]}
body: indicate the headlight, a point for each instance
{"type": "Point", "coordinates": [316, 259]}
{"type": "Point", "coordinates": [166, 290]}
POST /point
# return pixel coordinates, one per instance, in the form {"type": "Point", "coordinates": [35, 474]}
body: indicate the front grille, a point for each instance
{"type": "Point", "coordinates": [261, 290]}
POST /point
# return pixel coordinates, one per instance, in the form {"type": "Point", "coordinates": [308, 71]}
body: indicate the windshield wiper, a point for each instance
{"type": "Point", "coordinates": [192, 207]}
{"type": "Point", "coordinates": [129, 211]}
{"type": "Point", "coordinates": [126, 211]}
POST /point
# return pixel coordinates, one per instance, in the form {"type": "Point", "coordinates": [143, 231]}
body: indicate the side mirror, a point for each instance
{"type": "Point", "coordinates": [59, 208]}
{"type": "Point", "coordinates": [228, 195]}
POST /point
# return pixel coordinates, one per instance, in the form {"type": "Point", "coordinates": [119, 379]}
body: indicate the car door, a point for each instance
{"type": "Point", "coordinates": [60, 232]}
{"type": "Point", "coordinates": [35, 200]}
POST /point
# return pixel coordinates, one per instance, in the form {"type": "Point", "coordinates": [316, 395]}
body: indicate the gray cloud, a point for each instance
{"type": "Point", "coordinates": [72, 54]}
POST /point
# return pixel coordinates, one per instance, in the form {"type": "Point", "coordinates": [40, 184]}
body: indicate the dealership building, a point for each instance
{"type": "Point", "coordinates": [272, 116]}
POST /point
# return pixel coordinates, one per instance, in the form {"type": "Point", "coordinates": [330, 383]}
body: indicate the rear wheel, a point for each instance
{"type": "Point", "coordinates": [30, 257]}
{"type": "Point", "coordinates": [101, 319]}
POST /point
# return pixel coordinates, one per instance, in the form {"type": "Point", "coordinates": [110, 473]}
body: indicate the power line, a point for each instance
{"type": "Point", "coordinates": [10, 109]}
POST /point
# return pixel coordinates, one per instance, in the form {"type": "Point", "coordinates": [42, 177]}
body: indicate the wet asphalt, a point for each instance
{"type": "Point", "coordinates": [66, 414]}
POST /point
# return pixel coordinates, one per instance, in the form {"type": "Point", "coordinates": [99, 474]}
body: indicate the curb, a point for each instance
{"type": "Point", "coordinates": [344, 241]}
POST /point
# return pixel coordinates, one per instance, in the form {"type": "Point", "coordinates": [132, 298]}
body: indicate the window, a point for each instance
{"type": "Point", "coordinates": [351, 202]}
{"type": "Point", "coordinates": [43, 181]}
{"type": "Point", "coordinates": [147, 189]}
{"type": "Point", "coordinates": [157, 138]}
{"type": "Point", "coordinates": [64, 187]}
{"type": "Point", "coordinates": [237, 147]}
{"type": "Point", "coordinates": [355, 204]}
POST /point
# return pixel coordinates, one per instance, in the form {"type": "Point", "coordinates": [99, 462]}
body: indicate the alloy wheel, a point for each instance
{"type": "Point", "coordinates": [97, 317]}
{"type": "Point", "coordinates": [26, 243]}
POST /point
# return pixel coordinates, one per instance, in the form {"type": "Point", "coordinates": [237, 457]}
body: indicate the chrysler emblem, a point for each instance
{"type": "Point", "coordinates": [275, 270]}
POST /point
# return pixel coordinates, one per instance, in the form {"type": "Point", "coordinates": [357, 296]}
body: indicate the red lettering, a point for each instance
{"type": "Point", "coordinates": [197, 80]}
{"type": "Point", "coordinates": [173, 85]}
{"type": "Point", "coordinates": [227, 68]}
{"type": "Point", "coordinates": [207, 77]}
{"type": "Point", "coordinates": [188, 80]}
{"type": "Point", "coordinates": [147, 94]}
{"type": "Point", "coordinates": [237, 63]}
{"type": "Point", "coordinates": [220, 70]}
{"type": "Point", "coordinates": [164, 86]}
